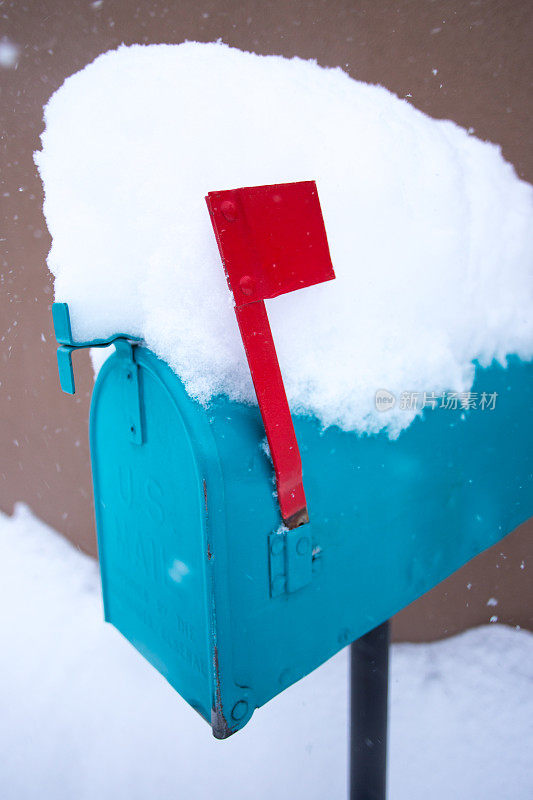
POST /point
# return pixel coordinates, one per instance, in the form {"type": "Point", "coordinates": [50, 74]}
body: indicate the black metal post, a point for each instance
{"type": "Point", "coordinates": [369, 684]}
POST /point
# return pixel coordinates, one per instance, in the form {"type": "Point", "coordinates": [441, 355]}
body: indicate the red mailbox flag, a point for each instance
{"type": "Point", "coordinates": [272, 240]}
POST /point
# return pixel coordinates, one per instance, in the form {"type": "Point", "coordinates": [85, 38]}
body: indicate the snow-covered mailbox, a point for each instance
{"type": "Point", "coordinates": [199, 570]}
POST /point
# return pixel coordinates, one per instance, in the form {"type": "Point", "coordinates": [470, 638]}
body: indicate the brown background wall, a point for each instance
{"type": "Point", "coordinates": [482, 51]}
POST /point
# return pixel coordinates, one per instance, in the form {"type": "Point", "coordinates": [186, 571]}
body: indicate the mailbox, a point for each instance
{"type": "Point", "coordinates": [219, 580]}
{"type": "Point", "coordinates": [198, 570]}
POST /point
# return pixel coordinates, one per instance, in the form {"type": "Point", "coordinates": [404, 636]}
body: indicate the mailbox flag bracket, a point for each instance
{"type": "Point", "coordinates": [291, 557]}
{"type": "Point", "coordinates": [272, 240]}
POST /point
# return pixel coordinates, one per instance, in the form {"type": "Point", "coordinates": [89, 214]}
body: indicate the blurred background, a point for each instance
{"type": "Point", "coordinates": [466, 61]}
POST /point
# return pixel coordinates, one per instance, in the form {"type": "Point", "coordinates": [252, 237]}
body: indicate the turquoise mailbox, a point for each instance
{"type": "Point", "coordinates": [202, 577]}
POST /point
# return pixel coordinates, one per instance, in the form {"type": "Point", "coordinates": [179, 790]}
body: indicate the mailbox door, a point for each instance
{"type": "Point", "coordinates": [151, 521]}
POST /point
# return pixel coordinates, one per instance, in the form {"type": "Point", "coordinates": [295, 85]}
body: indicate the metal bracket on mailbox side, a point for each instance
{"type": "Point", "coordinates": [132, 391]}
{"type": "Point", "coordinates": [290, 560]}
{"type": "Point", "coordinates": [124, 344]}
{"type": "Point", "coordinates": [67, 345]}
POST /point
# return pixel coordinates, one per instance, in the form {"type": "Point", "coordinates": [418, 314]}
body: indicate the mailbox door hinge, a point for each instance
{"type": "Point", "coordinates": [291, 557]}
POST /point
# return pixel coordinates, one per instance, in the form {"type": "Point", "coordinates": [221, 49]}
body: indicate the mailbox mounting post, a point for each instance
{"type": "Point", "coordinates": [272, 240]}
{"type": "Point", "coordinates": [369, 686]}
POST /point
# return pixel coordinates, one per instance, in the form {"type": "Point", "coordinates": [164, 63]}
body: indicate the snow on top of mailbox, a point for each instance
{"type": "Point", "coordinates": [430, 230]}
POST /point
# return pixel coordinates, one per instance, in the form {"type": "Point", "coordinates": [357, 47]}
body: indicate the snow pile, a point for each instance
{"type": "Point", "coordinates": [430, 230]}
{"type": "Point", "coordinates": [84, 716]}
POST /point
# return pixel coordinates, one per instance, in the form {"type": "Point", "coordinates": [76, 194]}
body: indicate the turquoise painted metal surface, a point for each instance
{"type": "Point", "coordinates": [230, 608]}
{"type": "Point", "coordinates": [67, 345]}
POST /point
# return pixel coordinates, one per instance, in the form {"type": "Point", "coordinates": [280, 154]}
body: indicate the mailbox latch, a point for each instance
{"type": "Point", "coordinates": [124, 344]}
{"type": "Point", "coordinates": [291, 557]}
{"type": "Point", "coordinates": [67, 345]}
